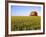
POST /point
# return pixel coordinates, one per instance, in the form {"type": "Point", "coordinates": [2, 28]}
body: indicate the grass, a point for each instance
{"type": "Point", "coordinates": [19, 23]}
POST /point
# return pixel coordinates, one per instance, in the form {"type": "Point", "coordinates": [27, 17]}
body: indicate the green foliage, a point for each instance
{"type": "Point", "coordinates": [19, 23]}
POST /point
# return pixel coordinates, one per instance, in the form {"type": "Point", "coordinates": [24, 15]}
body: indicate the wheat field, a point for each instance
{"type": "Point", "coordinates": [22, 23]}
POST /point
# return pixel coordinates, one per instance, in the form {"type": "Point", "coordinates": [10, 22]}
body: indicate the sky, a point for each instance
{"type": "Point", "coordinates": [24, 10]}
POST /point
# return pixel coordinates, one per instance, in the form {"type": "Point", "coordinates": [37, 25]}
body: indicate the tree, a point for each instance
{"type": "Point", "coordinates": [33, 13]}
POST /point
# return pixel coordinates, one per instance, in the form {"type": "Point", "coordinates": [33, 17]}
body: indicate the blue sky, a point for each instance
{"type": "Point", "coordinates": [24, 10]}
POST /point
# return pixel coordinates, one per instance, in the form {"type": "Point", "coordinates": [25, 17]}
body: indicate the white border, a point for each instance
{"type": "Point", "coordinates": [22, 32]}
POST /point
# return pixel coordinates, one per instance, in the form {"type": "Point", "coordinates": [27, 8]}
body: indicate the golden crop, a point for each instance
{"type": "Point", "coordinates": [19, 23]}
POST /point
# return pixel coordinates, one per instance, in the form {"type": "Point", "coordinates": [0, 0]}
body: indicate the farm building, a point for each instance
{"type": "Point", "coordinates": [34, 13]}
